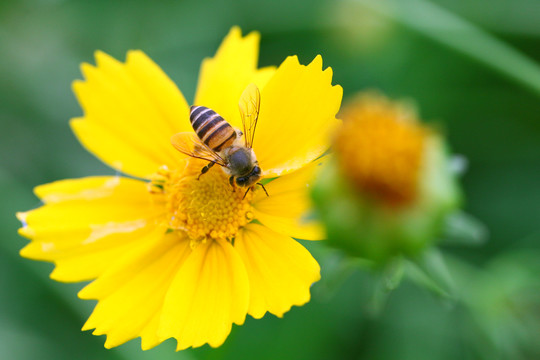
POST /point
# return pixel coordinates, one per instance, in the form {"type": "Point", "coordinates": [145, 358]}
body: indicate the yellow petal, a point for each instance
{"type": "Point", "coordinates": [208, 295]}
{"type": "Point", "coordinates": [86, 224]}
{"type": "Point", "coordinates": [297, 116]}
{"type": "Point", "coordinates": [280, 270]}
{"type": "Point", "coordinates": [130, 112]}
{"type": "Point", "coordinates": [224, 77]}
{"type": "Point", "coordinates": [149, 335]}
{"type": "Point", "coordinates": [288, 207]}
{"type": "Point", "coordinates": [92, 188]}
{"type": "Point", "coordinates": [131, 293]}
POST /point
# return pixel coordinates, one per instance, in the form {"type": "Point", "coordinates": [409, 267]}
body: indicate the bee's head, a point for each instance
{"type": "Point", "coordinates": [242, 164]}
{"type": "Point", "coordinates": [249, 179]}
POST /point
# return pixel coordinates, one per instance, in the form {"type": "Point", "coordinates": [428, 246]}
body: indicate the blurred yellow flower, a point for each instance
{"type": "Point", "coordinates": [381, 148]}
{"type": "Point", "coordinates": [390, 186]}
{"type": "Point", "coordinates": [173, 256]}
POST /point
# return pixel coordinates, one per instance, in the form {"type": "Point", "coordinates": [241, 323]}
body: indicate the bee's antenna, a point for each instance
{"type": "Point", "coordinates": [245, 193]}
{"type": "Point", "coordinates": [266, 192]}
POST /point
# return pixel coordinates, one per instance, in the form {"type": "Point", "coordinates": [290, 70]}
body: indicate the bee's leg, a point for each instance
{"type": "Point", "coordinates": [231, 181]}
{"type": "Point", "coordinates": [206, 168]}
{"type": "Point", "coordinates": [266, 192]}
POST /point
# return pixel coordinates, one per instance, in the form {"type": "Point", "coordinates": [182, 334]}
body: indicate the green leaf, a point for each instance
{"type": "Point", "coordinates": [389, 280]}
{"type": "Point", "coordinates": [463, 229]}
{"type": "Point", "coordinates": [430, 271]}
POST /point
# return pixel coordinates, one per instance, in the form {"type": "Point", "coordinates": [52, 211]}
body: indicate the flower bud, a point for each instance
{"type": "Point", "coordinates": [389, 186]}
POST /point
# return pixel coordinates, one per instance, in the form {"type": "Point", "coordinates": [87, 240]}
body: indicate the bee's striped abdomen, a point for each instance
{"type": "Point", "coordinates": [211, 128]}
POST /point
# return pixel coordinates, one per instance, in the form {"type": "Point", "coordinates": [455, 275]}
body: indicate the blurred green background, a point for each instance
{"type": "Point", "coordinates": [471, 66]}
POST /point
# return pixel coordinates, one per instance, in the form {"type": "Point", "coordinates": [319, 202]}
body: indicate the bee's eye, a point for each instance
{"type": "Point", "coordinates": [241, 181]}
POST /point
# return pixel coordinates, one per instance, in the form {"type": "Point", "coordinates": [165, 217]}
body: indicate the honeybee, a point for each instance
{"type": "Point", "coordinates": [216, 141]}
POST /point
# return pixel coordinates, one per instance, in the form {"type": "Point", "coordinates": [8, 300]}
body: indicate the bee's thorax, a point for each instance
{"type": "Point", "coordinates": [241, 160]}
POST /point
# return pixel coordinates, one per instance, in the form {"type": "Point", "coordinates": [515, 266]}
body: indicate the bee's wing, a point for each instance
{"type": "Point", "coordinates": [189, 143]}
{"type": "Point", "coordinates": [249, 105]}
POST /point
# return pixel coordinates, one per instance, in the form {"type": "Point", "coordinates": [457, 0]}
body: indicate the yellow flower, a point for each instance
{"type": "Point", "coordinates": [173, 256]}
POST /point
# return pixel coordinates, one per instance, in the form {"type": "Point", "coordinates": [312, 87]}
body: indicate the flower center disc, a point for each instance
{"type": "Point", "coordinates": [208, 207]}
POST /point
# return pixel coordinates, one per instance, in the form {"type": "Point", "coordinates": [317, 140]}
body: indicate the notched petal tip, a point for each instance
{"type": "Point", "coordinates": [87, 70]}
{"type": "Point", "coordinates": [253, 36]}
{"type": "Point", "coordinates": [328, 72]}
{"type": "Point", "coordinates": [236, 32]}
{"type": "Point", "coordinates": [25, 253]}
{"type": "Point", "coordinates": [339, 91]}
{"type": "Point", "coordinates": [26, 232]}
{"type": "Point", "coordinates": [99, 53]}
{"type": "Point", "coordinates": [74, 123]}
{"type": "Point", "coordinates": [317, 62]}
{"type": "Point", "coordinates": [137, 56]}
{"type": "Point", "coordinates": [88, 325]}
{"type": "Point", "coordinates": [147, 345]}
{"type": "Point", "coordinates": [103, 59]}
{"type": "Point", "coordinates": [76, 86]}
{"type": "Point", "coordinates": [136, 53]}
{"type": "Point", "coordinates": [290, 59]}
{"type": "Point", "coordinates": [40, 190]}
{"type": "Point", "coordinates": [54, 276]}
{"type": "Point", "coordinates": [21, 216]}
{"type": "Point", "coordinates": [115, 340]}
{"type": "Point", "coordinates": [85, 293]}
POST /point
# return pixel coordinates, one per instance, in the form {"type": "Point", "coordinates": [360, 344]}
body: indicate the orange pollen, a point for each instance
{"type": "Point", "coordinates": [380, 148]}
{"type": "Point", "coordinates": [204, 208]}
